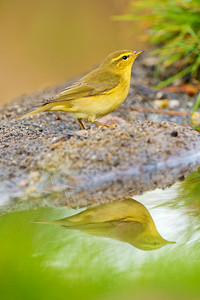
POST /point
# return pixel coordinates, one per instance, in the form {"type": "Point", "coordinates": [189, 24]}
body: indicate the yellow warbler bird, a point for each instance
{"type": "Point", "coordinates": [99, 92]}
{"type": "Point", "coordinates": [128, 221]}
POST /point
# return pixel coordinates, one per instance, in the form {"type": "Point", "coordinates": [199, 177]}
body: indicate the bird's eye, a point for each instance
{"type": "Point", "coordinates": [124, 57]}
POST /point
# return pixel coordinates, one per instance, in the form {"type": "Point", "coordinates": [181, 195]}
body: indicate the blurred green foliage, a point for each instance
{"type": "Point", "coordinates": [197, 103]}
{"type": "Point", "coordinates": [174, 26]}
{"type": "Point", "coordinates": [195, 115]}
{"type": "Point", "coordinates": [189, 192]}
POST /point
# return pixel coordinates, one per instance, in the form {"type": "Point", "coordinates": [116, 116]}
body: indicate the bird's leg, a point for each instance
{"type": "Point", "coordinates": [80, 123]}
{"type": "Point", "coordinates": [100, 124]}
{"type": "Point", "coordinates": [92, 120]}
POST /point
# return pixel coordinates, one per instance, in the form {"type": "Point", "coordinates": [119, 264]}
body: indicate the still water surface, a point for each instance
{"type": "Point", "coordinates": [77, 255]}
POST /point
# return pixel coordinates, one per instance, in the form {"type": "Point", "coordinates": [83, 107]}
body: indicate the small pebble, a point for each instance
{"type": "Point", "coordinates": [189, 104]}
{"type": "Point", "coordinates": [181, 178]}
{"type": "Point", "coordinates": [31, 189]}
{"type": "Point", "coordinates": [23, 183]}
{"type": "Point", "coordinates": [132, 134]}
{"type": "Point", "coordinates": [160, 95]}
{"type": "Point", "coordinates": [174, 103]}
{"type": "Point", "coordinates": [159, 104]}
{"type": "Point", "coordinates": [174, 133]}
{"type": "Point", "coordinates": [196, 118]}
{"type": "Point", "coordinates": [178, 82]}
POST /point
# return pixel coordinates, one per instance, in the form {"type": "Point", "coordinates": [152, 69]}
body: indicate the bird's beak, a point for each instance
{"type": "Point", "coordinates": [136, 53]}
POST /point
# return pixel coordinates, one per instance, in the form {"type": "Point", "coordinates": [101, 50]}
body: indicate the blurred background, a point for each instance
{"type": "Point", "coordinates": [46, 42]}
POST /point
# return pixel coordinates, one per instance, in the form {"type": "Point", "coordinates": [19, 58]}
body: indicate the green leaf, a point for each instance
{"type": "Point", "coordinates": [197, 103]}
{"type": "Point", "coordinates": [175, 28]}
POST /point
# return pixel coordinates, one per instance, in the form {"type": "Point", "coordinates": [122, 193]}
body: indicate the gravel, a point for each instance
{"type": "Point", "coordinates": [46, 160]}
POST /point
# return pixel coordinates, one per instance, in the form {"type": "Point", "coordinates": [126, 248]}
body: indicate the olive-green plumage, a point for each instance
{"type": "Point", "coordinates": [128, 221]}
{"type": "Point", "coordinates": [98, 93]}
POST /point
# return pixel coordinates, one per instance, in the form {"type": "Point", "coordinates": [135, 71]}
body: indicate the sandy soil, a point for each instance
{"type": "Point", "coordinates": [46, 160]}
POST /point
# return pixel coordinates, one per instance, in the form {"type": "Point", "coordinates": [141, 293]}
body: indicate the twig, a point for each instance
{"type": "Point", "coordinates": [159, 111]}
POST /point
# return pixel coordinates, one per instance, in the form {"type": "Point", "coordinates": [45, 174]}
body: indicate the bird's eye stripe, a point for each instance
{"type": "Point", "coordinates": [125, 57]}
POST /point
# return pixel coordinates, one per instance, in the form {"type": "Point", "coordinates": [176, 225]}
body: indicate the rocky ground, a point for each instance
{"type": "Point", "coordinates": [46, 160]}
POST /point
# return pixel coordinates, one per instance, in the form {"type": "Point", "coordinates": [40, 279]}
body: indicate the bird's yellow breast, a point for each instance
{"type": "Point", "coordinates": [101, 105]}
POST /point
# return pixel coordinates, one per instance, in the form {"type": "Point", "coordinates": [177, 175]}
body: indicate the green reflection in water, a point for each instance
{"type": "Point", "coordinates": [128, 221]}
{"type": "Point", "coordinates": [42, 262]}
{"type": "Point", "coordinates": [189, 191]}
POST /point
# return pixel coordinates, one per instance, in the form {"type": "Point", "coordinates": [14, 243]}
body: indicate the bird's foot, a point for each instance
{"type": "Point", "coordinates": [107, 126]}
{"type": "Point", "coordinates": [101, 125]}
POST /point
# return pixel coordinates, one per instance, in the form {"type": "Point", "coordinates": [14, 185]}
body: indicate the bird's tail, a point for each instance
{"type": "Point", "coordinates": [60, 222]}
{"type": "Point", "coordinates": [56, 106]}
{"type": "Point", "coordinates": [40, 109]}
{"type": "Point", "coordinates": [48, 222]}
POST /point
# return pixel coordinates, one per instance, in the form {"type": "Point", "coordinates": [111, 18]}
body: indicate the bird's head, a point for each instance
{"type": "Point", "coordinates": [120, 61]}
{"type": "Point", "coordinates": [150, 242]}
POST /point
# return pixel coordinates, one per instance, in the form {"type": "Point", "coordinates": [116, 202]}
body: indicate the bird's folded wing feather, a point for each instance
{"type": "Point", "coordinates": [87, 89]}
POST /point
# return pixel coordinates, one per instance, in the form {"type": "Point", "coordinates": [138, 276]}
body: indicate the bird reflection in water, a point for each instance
{"type": "Point", "coordinates": [128, 221]}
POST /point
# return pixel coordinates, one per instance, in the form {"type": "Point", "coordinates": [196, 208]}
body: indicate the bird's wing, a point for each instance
{"type": "Point", "coordinates": [119, 229]}
{"type": "Point", "coordinates": [87, 89]}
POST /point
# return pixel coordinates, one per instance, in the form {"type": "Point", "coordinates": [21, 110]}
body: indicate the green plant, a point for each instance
{"type": "Point", "coordinates": [195, 115]}
{"type": "Point", "coordinates": [197, 103]}
{"type": "Point", "coordinates": [174, 25]}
